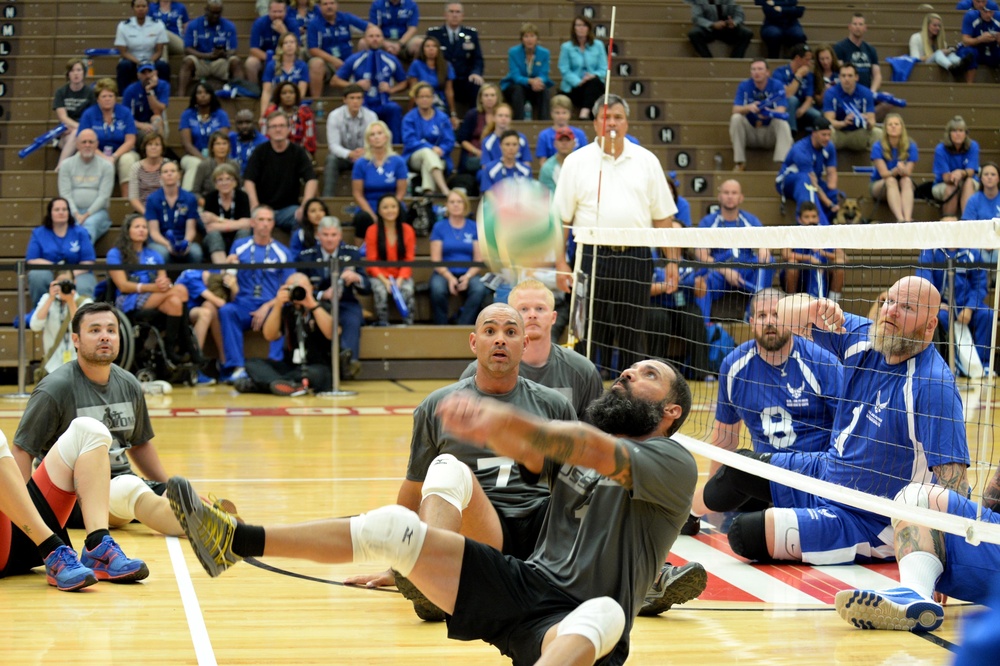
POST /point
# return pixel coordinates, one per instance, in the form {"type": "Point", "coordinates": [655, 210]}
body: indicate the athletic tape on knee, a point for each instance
{"type": "Point", "coordinates": [786, 535]}
{"type": "Point", "coordinates": [913, 494]}
{"type": "Point", "coordinates": [4, 449]}
{"type": "Point", "coordinates": [125, 493]}
{"type": "Point", "coordinates": [600, 620]}
{"type": "Point", "coordinates": [450, 480]}
{"type": "Point", "coordinates": [83, 434]}
{"type": "Point", "coordinates": [392, 534]}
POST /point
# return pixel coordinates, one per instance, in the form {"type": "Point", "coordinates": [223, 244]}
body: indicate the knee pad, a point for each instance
{"type": "Point", "coordinates": [786, 534]}
{"type": "Point", "coordinates": [601, 621]}
{"type": "Point", "coordinates": [392, 534]}
{"type": "Point", "coordinates": [450, 480]}
{"type": "Point", "coordinates": [4, 449]}
{"type": "Point", "coordinates": [913, 494]}
{"type": "Point", "coordinates": [747, 537]}
{"type": "Point", "coordinates": [125, 493]}
{"type": "Point", "coordinates": [83, 434]}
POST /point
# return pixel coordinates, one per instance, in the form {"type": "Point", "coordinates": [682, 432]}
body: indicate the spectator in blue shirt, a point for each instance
{"type": "Point", "coordinates": [172, 213]}
{"type": "Point", "coordinates": [265, 34]}
{"type": "Point", "coordinates": [328, 38]}
{"type": "Point", "coordinates": [507, 166]}
{"type": "Point", "coordinates": [174, 15]}
{"type": "Point", "coordinates": [428, 140]}
{"type": "Point", "coordinates": [752, 123]}
{"type": "Point", "coordinates": [380, 171]}
{"type": "Point", "coordinates": [985, 204]}
{"type": "Point", "coordinates": [115, 128]}
{"type": "Point", "coordinates": [981, 33]}
{"type": "Point", "coordinates": [583, 63]}
{"type": "Point", "coordinates": [956, 162]}
{"type": "Point", "coordinates": [561, 110]}
{"type": "Point", "coordinates": [199, 121]}
{"type": "Point", "coordinates": [527, 77]}
{"type": "Point", "coordinates": [850, 108]}
{"type": "Point", "coordinates": [800, 86]}
{"type": "Point", "coordinates": [893, 159]}
{"type": "Point", "coordinates": [809, 172]}
{"type": "Point", "coordinates": [246, 137]}
{"type": "Point", "coordinates": [431, 67]}
{"type": "Point", "coordinates": [399, 20]}
{"type": "Point", "coordinates": [285, 66]}
{"type": "Point", "coordinates": [59, 241]}
{"type": "Point", "coordinates": [781, 25]}
{"type": "Point", "coordinates": [148, 99]}
{"type": "Point", "coordinates": [380, 74]}
{"type": "Point", "coordinates": [210, 44]}
{"type": "Point", "coordinates": [490, 144]}
{"type": "Point", "coordinates": [456, 238]}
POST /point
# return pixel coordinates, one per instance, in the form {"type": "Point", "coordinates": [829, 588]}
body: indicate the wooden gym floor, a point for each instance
{"type": "Point", "coordinates": [286, 460]}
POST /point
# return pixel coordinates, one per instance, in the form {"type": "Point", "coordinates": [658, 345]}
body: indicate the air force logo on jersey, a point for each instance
{"type": "Point", "coordinates": [74, 246]}
{"type": "Point", "coordinates": [797, 400]}
{"type": "Point", "coordinates": [873, 413]}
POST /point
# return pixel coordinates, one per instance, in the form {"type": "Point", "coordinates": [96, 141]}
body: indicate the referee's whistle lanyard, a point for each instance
{"type": "Point", "coordinates": [258, 287]}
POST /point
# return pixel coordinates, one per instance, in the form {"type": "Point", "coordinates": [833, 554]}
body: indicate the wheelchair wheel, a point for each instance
{"type": "Point", "coordinates": [126, 338]}
{"type": "Point", "coordinates": [145, 375]}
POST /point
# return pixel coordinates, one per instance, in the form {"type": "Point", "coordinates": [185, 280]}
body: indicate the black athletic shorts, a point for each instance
{"type": "Point", "coordinates": [23, 556]}
{"type": "Point", "coordinates": [520, 533]}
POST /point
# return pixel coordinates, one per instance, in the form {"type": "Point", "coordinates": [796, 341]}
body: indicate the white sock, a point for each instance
{"type": "Point", "coordinates": [920, 571]}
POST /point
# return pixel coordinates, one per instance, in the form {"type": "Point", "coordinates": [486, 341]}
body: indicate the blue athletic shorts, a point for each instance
{"type": "Point", "coordinates": [969, 570]}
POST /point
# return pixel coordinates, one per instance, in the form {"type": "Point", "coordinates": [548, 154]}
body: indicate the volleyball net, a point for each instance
{"type": "Point", "coordinates": [636, 305]}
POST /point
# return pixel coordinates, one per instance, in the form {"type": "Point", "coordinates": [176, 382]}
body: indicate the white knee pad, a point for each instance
{"type": "Point", "coordinates": [601, 621]}
{"type": "Point", "coordinates": [392, 534]}
{"type": "Point", "coordinates": [914, 494]}
{"type": "Point", "coordinates": [125, 493]}
{"type": "Point", "coordinates": [786, 535]}
{"type": "Point", "coordinates": [83, 434]}
{"type": "Point", "coordinates": [4, 449]}
{"type": "Point", "coordinates": [450, 480]}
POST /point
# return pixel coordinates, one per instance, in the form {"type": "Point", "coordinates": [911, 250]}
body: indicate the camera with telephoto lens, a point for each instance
{"type": "Point", "coordinates": [67, 286]}
{"type": "Point", "coordinates": [296, 293]}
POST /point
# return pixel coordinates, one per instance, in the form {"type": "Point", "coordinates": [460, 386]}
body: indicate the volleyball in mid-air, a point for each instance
{"type": "Point", "coordinates": [518, 226]}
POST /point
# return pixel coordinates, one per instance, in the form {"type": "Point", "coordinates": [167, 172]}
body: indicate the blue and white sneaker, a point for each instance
{"type": "Point", "coordinates": [204, 380]}
{"type": "Point", "coordinates": [111, 564]}
{"type": "Point", "coordinates": [899, 609]}
{"type": "Point", "coordinates": [232, 376]}
{"type": "Point", "coordinates": [64, 571]}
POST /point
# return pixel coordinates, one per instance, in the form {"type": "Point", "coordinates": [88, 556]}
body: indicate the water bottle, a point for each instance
{"type": "Point", "coordinates": [320, 110]}
{"type": "Point", "coordinates": [718, 161]}
{"type": "Point", "coordinates": [527, 111]}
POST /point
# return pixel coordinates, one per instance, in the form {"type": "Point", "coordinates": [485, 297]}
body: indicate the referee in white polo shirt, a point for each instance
{"type": "Point", "coordinates": [634, 195]}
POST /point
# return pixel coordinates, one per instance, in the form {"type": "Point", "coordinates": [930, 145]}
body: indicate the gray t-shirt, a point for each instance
{"type": "Point", "coordinates": [599, 539]}
{"type": "Point", "coordinates": [570, 373]}
{"type": "Point", "coordinates": [499, 476]}
{"type": "Point", "coordinates": [67, 393]}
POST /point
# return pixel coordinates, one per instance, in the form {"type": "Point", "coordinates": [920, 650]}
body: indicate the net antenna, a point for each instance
{"type": "Point", "coordinates": [578, 262]}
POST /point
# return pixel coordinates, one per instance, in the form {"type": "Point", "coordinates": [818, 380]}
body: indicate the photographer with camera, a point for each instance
{"type": "Point", "coordinates": [307, 327]}
{"type": "Point", "coordinates": [52, 316]}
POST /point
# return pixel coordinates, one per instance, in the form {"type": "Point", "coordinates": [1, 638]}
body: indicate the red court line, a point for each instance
{"type": "Point", "coordinates": [717, 588]}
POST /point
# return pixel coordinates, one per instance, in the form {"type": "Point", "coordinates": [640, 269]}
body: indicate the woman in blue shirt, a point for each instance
{"type": "Point", "coordinates": [379, 172]}
{"type": "Point", "coordinates": [583, 63]}
{"type": "Point", "coordinates": [203, 116]}
{"type": "Point", "coordinates": [985, 204]}
{"type": "Point", "coordinates": [893, 158]}
{"type": "Point", "coordinates": [151, 289]}
{"type": "Point", "coordinates": [956, 162]}
{"type": "Point", "coordinates": [115, 128]}
{"type": "Point", "coordinates": [527, 77]}
{"type": "Point", "coordinates": [284, 66]}
{"type": "Point", "coordinates": [59, 241]}
{"type": "Point", "coordinates": [428, 139]}
{"type": "Point", "coordinates": [431, 67]}
{"type": "Point", "coordinates": [455, 238]}
{"type": "Point", "coordinates": [172, 213]}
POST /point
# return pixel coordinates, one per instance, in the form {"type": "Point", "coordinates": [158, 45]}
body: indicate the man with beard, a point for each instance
{"type": "Point", "coordinates": [899, 421]}
{"type": "Point", "coordinates": [620, 492]}
{"type": "Point", "coordinates": [783, 388]}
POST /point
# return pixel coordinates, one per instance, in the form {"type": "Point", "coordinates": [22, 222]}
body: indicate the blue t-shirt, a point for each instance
{"type": "Point", "coordinates": [421, 71]}
{"type": "Point", "coordinates": [202, 130]}
{"type": "Point", "coordinates": [241, 150]}
{"type": "Point", "coordinates": [108, 135]}
{"type": "Point", "coordinates": [456, 244]}
{"type": "Point", "coordinates": [946, 161]}
{"type": "Point", "coordinates": [264, 37]}
{"type": "Point", "coordinates": [436, 132]}
{"type": "Point", "coordinates": [379, 180]}
{"type": "Point", "coordinates": [862, 57]}
{"type": "Point", "coordinates": [890, 164]}
{"type": "Point", "coordinates": [894, 422]}
{"type": "Point", "coordinates": [546, 145]}
{"type": "Point", "coordinates": [974, 26]}
{"type": "Point", "coordinates": [135, 99]}
{"type": "Point", "coordinates": [205, 38]}
{"type": "Point", "coordinates": [493, 172]}
{"type": "Point", "coordinates": [723, 254]}
{"type": "Point", "coordinates": [807, 88]}
{"type": "Point", "coordinates": [376, 67]}
{"type": "Point", "coordinates": [274, 73]}
{"type": "Point", "coordinates": [979, 207]}
{"type": "Point", "coordinates": [73, 248]}
{"type": "Point", "coordinates": [860, 102]}
{"type": "Point", "coordinates": [333, 38]}
{"type": "Point", "coordinates": [128, 302]}
{"type": "Point", "coordinates": [396, 19]}
{"type": "Point", "coordinates": [261, 284]}
{"type": "Point", "coordinates": [174, 19]}
{"type": "Point", "coordinates": [804, 157]}
{"type": "Point", "coordinates": [683, 214]}
{"type": "Point", "coordinates": [191, 279]}
{"type": "Point", "coordinates": [786, 408]}
{"type": "Point", "coordinates": [771, 96]}
{"type": "Point", "coordinates": [490, 146]}
{"type": "Point", "coordinates": [172, 218]}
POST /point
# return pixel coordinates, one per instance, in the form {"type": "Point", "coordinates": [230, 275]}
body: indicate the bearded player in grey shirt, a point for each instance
{"type": "Point", "coordinates": [617, 505]}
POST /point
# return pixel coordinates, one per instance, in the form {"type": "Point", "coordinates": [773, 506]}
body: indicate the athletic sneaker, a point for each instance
{"type": "Point", "coordinates": [245, 385]}
{"type": "Point", "coordinates": [288, 388]}
{"type": "Point", "coordinates": [111, 564]}
{"type": "Point", "coordinates": [691, 526]}
{"type": "Point", "coordinates": [222, 504]}
{"type": "Point", "coordinates": [205, 380]}
{"type": "Point", "coordinates": [64, 571]}
{"type": "Point", "coordinates": [899, 608]}
{"type": "Point", "coordinates": [157, 387]}
{"type": "Point", "coordinates": [674, 585]}
{"type": "Point", "coordinates": [424, 609]}
{"type": "Point", "coordinates": [209, 529]}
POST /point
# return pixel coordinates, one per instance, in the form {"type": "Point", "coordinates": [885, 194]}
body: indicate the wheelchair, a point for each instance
{"type": "Point", "coordinates": [143, 350]}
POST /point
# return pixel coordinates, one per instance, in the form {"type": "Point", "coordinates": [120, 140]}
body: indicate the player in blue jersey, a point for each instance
{"type": "Point", "coordinates": [809, 172]}
{"type": "Point", "coordinates": [899, 421]}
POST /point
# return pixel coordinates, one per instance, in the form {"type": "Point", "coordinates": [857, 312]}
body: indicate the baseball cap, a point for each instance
{"type": "Point", "coordinates": [821, 124]}
{"type": "Point", "coordinates": [146, 66]}
{"type": "Point", "coordinates": [564, 133]}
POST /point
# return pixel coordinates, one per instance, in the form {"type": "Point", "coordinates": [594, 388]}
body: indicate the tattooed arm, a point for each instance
{"type": "Point", "coordinates": [530, 440]}
{"type": "Point", "coordinates": [953, 477]}
{"type": "Point", "coordinates": [991, 496]}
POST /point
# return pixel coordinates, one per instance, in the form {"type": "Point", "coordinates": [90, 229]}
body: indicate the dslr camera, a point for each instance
{"type": "Point", "coordinates": [67, 286]}
{"type": "Point", "coordinates": [296, 293]}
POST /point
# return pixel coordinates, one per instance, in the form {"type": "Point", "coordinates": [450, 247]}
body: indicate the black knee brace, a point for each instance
{"type": "Point", "coordinates": [747, 537]}
{"type": "Point", "coordinates": [730, 487]}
